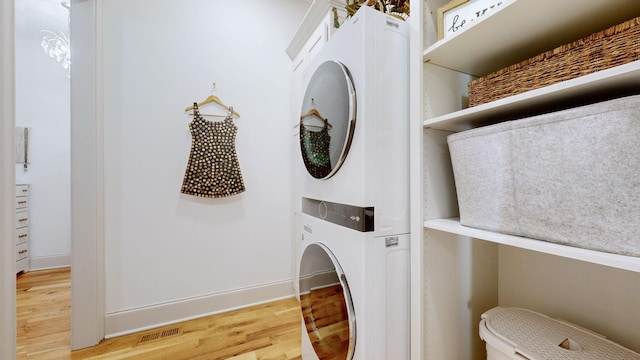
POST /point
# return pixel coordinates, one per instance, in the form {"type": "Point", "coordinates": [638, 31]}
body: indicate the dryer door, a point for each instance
{"type": "Point", "coordinates": [327, 120]}
{"type": "Point", "coordinates": [326, 304]}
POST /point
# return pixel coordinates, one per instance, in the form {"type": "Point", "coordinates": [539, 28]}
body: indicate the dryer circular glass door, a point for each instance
{"type": "Point", "coordinates": [327, 308]}
{"type": "Point", "coordinates": [327, 120]}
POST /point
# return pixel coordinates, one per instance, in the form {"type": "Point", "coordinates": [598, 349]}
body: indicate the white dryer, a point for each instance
{"type": "Point", "coordinates": [354, 293]}
{"type": "Point", "coordinates": [354, 123]}
{"type": "Point", "coordinates": [354, 142]}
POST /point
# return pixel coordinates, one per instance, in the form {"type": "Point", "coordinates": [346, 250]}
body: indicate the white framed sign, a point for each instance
{"type": "Point", "coordinates": [458, 15]}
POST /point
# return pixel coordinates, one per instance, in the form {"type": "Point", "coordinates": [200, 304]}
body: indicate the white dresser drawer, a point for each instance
{"type": "Point", "coordinates": [22, 190]}
{"type": "Point", "coordinates": [22, 235]}
{"type": "Point", "coordinates": [22, 228]}
{"type": "Point", "coordinates": [22, 251]}
{"type": "Point", "coordinates": [22, 219]}
{"type": "Point", "coordinates": [22, 202]}
{"type": "Point", "coordinates": [22, 265]}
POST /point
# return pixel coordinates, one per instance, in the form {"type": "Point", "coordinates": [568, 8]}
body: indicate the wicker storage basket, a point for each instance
{"type": "Point", "coordinates": [605, 49]}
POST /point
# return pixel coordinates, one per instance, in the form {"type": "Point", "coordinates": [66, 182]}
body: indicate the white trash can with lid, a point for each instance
{"type": "Point", "coordinates": [520, 334]}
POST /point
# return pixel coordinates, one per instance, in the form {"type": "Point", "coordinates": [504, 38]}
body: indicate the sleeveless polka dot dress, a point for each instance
{"type": "Point", "coordinates": [213, 169]}
{"type": "Point", "coordinates": [315, 150]}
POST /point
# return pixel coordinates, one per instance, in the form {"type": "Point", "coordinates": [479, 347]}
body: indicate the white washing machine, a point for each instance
{"type": "Point", "coordinates": [354, 142]}
{"type": "Point", "coordinates": [354, 293]}
{"type": "Point", "coordinates": [354, 123]}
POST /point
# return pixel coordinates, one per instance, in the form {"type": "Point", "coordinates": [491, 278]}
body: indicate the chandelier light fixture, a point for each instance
{"type": "Point", "coordinates": [58, 45]}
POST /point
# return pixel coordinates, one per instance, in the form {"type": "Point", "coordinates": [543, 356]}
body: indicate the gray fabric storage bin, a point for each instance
{"type": "Point", "coordinates": [570, 177]}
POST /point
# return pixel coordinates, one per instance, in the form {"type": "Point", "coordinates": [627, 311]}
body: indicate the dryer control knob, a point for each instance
{"type": "Point", "coordinates": [323, 210]}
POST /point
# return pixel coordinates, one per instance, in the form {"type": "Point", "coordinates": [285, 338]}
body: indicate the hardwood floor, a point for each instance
{"type": "Point", "coordinates": [269, 331]}
{"type": "Point", "coordinates": [43, 301]}
{"type": "Point", "coordinates": [325, 314]}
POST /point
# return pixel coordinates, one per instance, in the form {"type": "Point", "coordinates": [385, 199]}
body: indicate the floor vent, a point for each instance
{"type": "Point", "coordinates": [159, 334]}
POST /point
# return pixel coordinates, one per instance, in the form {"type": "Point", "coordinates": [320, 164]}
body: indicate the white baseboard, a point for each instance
{"type": "Point", "coordinates": [49, 262]}
{"type": "Point", "coordinates": [129, 321]}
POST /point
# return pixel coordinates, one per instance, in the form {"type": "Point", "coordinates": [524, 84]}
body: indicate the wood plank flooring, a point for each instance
{"type": "Point", "coordinates": [264, 332]}
{"type": "Point", "coordinates": [325, 314]}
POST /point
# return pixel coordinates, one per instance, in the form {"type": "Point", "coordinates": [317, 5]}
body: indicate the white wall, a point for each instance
{"type": "Point", "coordinates": [170, 255]}
{"type": "Point", "coordinates": [599, 298]}
{"type": "Point", "coordinates": [42, 103]}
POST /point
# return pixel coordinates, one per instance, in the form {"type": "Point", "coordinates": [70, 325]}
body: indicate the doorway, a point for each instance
{"type": "Point", "coordinates": [42, 78]}
{"type": "Point", "coordinates": [42, 116]}
{"type": "Point", "coordinates": [86, 224]}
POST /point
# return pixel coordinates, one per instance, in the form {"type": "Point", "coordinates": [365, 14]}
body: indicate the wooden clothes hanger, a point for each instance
{"type": "Point", "coordinates": [315, 112]}
{"type": "Point", "coordinates": [215, 99]}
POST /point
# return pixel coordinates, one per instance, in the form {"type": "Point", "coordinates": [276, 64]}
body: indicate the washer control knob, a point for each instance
{"type": "Point", "coordinates": [323, 210]}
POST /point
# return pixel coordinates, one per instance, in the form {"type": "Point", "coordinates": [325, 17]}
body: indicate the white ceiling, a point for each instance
{"type": "Point", "coordinates": [32, 16]}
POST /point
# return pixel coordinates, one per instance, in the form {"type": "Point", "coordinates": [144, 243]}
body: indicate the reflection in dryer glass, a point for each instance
{"type": "Point", "coordinates": [315, 150]}
{"type": "Point", "coordinates": [327, 119]}
{"type": "Point", "coordinates": [326, 305]}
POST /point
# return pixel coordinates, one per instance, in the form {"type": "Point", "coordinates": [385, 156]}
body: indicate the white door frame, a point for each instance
{"type": "Point", "coordinates": [87, 185]}
{"type": "Point", "coordinates": [7, 181]}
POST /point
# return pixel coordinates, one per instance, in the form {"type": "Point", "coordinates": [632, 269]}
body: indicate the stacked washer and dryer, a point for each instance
{"type": "Point", "coordinates": [354, 142]}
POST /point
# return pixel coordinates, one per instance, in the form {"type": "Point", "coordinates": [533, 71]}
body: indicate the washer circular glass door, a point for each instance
{"type": "Point", "coordinates": [328, 119]}
{"type": "Point", "coordinates": [327, 308]}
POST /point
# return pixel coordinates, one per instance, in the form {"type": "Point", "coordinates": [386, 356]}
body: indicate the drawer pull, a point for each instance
{"type": "Point", "coordinates": [24, 190]}
{"type": "Point", "coordinates": [22, 220]}
{"type": "Point", "coordinates": [22, 236]}
{"type": "Point", "coordinates": [22, 202]}
{"type": "Point", "coordinates": [22, 252]}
